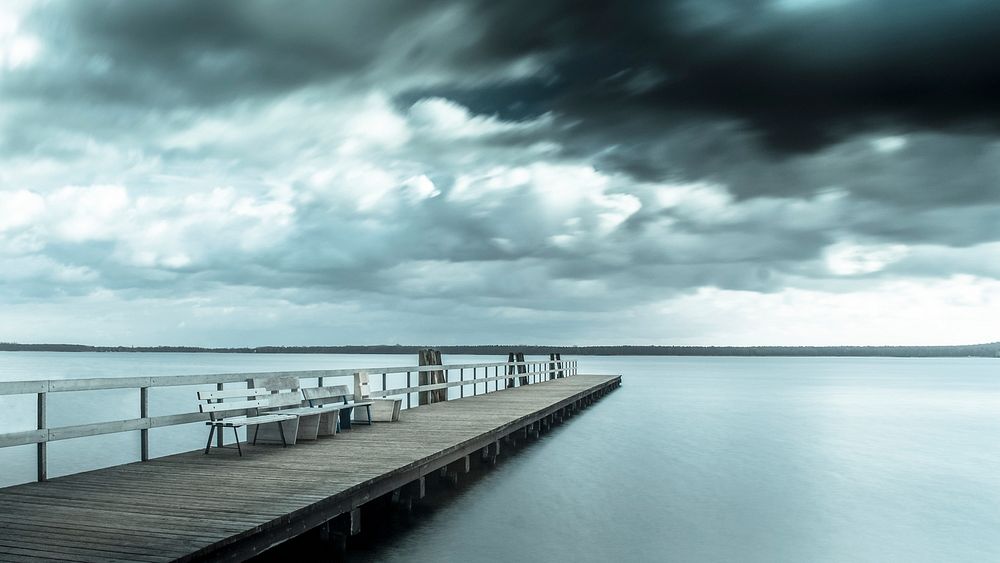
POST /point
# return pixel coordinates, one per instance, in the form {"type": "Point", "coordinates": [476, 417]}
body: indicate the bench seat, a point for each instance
{"type": "Point", "coordinates": [337, 395]}
{"type": "Point", "coordinates": [316, 421]}
{"type": "Point", "coordinates": [238, 421]}
{"type": "Point", "coordinates": [385, 409]}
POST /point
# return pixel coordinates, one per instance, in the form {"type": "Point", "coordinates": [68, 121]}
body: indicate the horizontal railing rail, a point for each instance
{"type": "Point", "coordinates": [101, 383]}
{"type": "Point", "coordinates": [535, 371]}
{"type": "Point", "coordinates": [460, 383]}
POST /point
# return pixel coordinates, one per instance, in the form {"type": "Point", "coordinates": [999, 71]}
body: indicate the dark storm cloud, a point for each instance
{"type": "Point", "coordinates": [747, 93]}
{"type": "Point", "coordinates": [801, 76]}
{"type": "Point", "coordinates": [930, 170]}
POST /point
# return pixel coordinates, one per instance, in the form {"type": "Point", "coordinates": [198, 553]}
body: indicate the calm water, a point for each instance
{"type": "Point", "coordinates": [696, 459]}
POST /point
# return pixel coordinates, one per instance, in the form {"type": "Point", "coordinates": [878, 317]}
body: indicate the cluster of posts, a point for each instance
{"type": "Point", "coordinates": [516, 366]}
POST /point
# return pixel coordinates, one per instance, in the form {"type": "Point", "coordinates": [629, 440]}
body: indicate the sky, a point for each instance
{"type": "Point", "coordinates": [676, 172]}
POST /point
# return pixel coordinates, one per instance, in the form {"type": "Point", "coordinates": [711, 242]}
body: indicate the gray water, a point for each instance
{"type": "Point", "coordinates": [709, 459]}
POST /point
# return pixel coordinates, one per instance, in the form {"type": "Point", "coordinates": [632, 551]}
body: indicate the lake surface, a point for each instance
{"type": "Point", "coordinates": [694, 459]}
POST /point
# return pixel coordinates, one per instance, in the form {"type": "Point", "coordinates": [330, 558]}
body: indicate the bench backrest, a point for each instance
{"type": "Point", "coordinates": [361, 388]}
{"type": "Point", "coordinates": [275, 382]}
{"type": "Point", "coordinates": [322, 395]}
{"type": "Point", "coordinates": [233, 400]}
{"type": "Point", "coordinates": [284, 390]}
{"type": "Point", "coordinates": [286, 399]}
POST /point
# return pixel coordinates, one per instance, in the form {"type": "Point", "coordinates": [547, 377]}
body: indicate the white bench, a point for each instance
{"type": "Point", "coordinates": [215, 405]}
{"type": "Point", "coordinates": [287, 398]}
{"type": "Point", "coordinates": [382, 410]}
{"type": "Point", "coordinates": [337, 394]}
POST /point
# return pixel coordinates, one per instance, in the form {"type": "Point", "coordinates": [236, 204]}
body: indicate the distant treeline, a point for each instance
{"type": "Point", "coordinates": [982, 350]}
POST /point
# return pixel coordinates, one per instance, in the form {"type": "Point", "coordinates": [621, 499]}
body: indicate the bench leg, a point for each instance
{"type": "Point", "coordinates": [237, 435]}
{"type": "Point", "coordinates": [211, 432]}
{"type": "Point", "coordinates": [369, 409]}
{"type": "Point", "coordinates": [256, 428]}
{"type": "Point", "coordinates": [308, 427]}
{"type": "Point", "coordinates": [281, 429]}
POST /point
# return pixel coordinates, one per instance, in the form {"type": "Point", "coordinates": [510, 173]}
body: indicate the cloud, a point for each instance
{"type": "Point", "coordinates": [411, 165]}
{"type": "Point", "coordinates": [845, 259]}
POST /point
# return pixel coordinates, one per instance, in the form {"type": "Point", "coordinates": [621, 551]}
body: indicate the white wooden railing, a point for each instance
{"type": "Point", "coordinates": [469, 375]}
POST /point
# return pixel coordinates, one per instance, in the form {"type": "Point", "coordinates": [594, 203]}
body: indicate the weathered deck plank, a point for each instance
{"type": "Point", "coordinates": [191, 505]}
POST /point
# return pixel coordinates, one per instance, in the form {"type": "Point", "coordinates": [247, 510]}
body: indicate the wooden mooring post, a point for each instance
{"type": "Point", "coordinates": [516, 365]}
{"type": "Point", "coordinates": [431, 357]}
{"type": "Point", "coordinates": [511, 368]}
{"type": "Point", "coordinates": [522, 368]}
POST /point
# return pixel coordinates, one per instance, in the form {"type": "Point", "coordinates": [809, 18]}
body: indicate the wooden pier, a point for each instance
{"type": "Point", "coordinates": [193, 506]}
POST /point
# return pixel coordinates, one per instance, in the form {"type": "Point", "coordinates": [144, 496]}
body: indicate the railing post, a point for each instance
{"type": "Point", "coordinates": [144, 433]}
{"type": "Point", "coordinates": [42, 461]}
{"type": "Point", "coordinates": [218, 438]}
{"type": "Point", "coordinates": [408, 392]}
{"type": "Point", "coordinates": [461, 379]}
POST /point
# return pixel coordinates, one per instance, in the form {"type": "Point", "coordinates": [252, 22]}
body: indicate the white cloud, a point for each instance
{"type": "Point", "coordinates": [701, 202]}
{"type": "Point", "coordinates": [78, 214]}
{"type": "Point", "coordinates": [419, 187]}
{"type": "Point", "coordinates": [889, 144]}
{"type": "Point", "coordinates": [18, 48]}
{"type": "Point", "coordinates": [19, 51]}
{"type": "Point", "coordinates": [799, 5]}
{"type": "Point", "coordinates": [148, 231]}
{"type": "Point", "coordinates": [374, 125]}
{"type": "Point", "coordinates": [19, 208]}
{"type": "Point", "coordinates": [446, 119]}
{"type": "Point", "coordinates": [847, 259]}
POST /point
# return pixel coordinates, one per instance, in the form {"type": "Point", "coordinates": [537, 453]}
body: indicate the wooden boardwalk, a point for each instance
{"type": "Point", "coordinates": [221, 507]}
